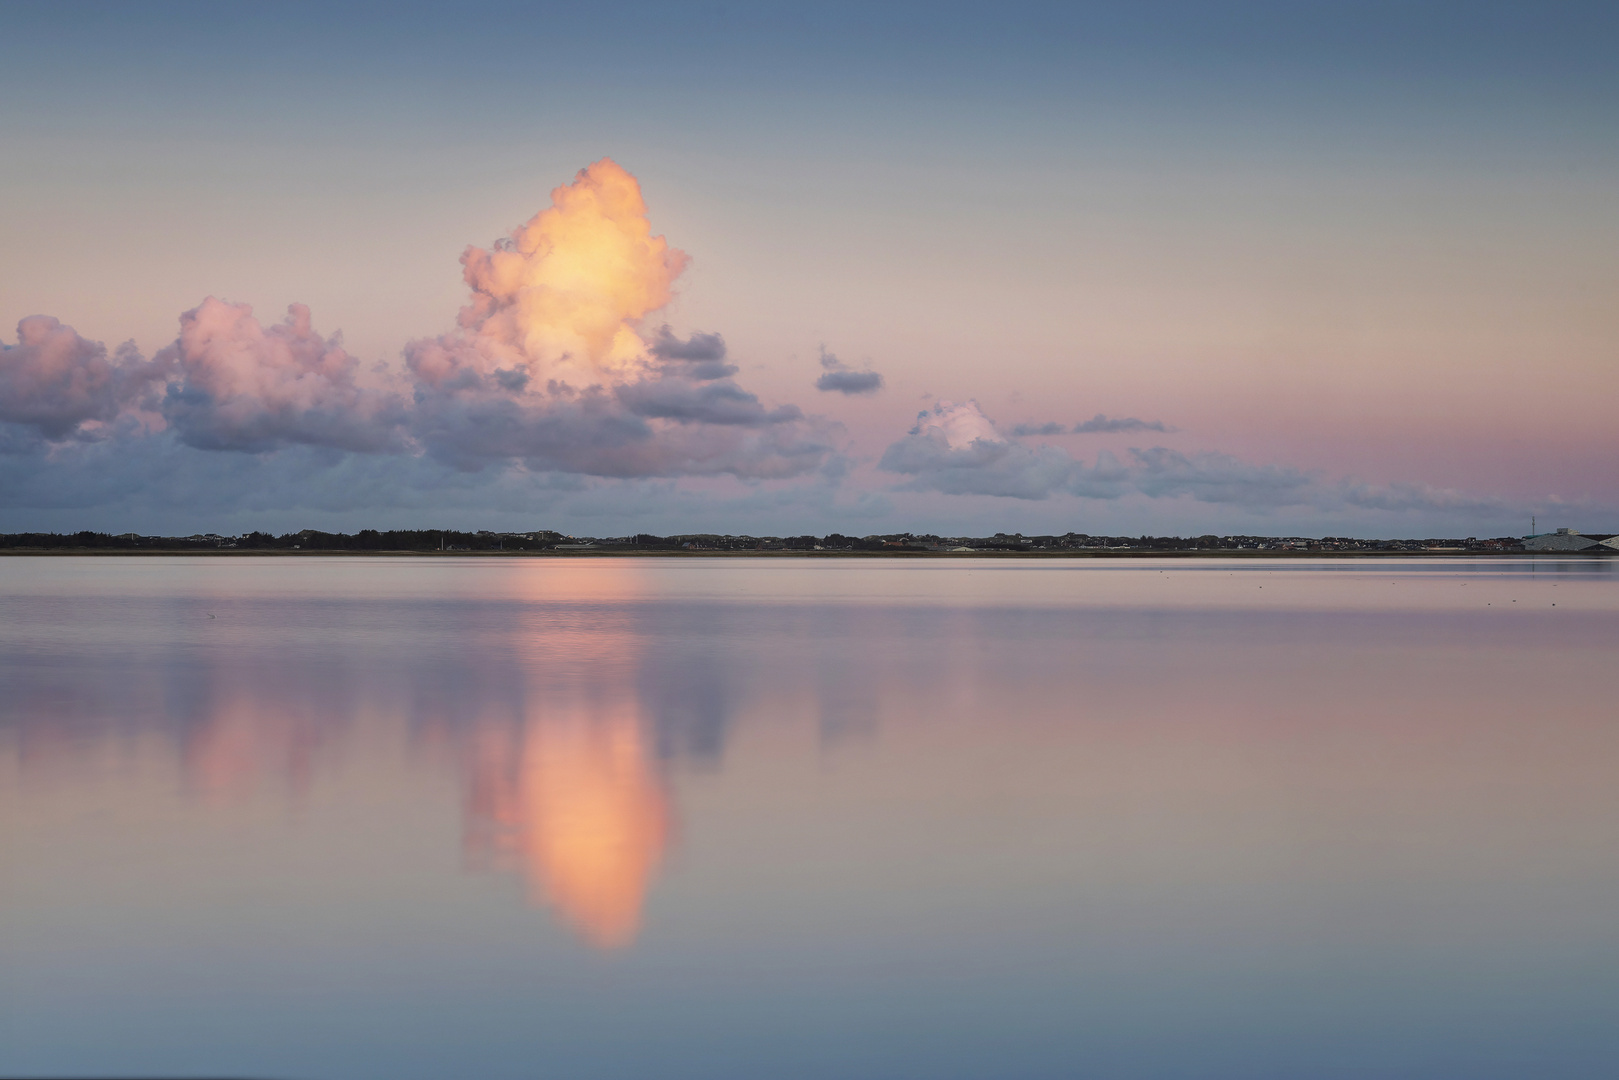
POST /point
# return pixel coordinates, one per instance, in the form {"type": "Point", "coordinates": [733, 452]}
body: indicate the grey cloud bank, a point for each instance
{"type": "Point", "coordinates": [701, 356]}
{"type": "Point", "coordinates": [955, 449]}
{"type": "Point", "coordinates": [1024, 430]}
{"type": "Point", "coordinates": [241, 422]}
{"type": "Point", "coordinates": [229, 383]}
{"type": "Point", "coordinates": [1100, 424]}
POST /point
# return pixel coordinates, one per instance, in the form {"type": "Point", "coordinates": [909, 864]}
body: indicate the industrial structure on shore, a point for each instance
{"type": "Point", "coordinates": [1568, 540]}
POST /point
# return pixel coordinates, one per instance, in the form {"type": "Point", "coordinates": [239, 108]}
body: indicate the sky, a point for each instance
{"type": "Point", "coordinates": [1292, 268]}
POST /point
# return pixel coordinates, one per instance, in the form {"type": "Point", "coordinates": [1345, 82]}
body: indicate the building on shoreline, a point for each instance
{"type": "Point", "coordinates": [1562, 540]}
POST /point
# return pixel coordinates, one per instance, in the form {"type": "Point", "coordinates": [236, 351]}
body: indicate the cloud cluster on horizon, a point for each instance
{"type": "Point", "coordinates": [955, 449]}
{"type": "Point", "coordinates": [557, 371]}
{"type": "Point", "coordinates": [548, 367]}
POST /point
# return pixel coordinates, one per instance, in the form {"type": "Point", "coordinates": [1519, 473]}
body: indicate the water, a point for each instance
{"type": "Point", "coordinates": [793, 818]}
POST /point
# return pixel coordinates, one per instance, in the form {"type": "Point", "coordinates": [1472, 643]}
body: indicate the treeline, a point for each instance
{"type": "Point", "coordinates": [307, 540]}
{"type": "Point", "coordinates": [400, 540]}
{"type": "Point", "coordinates": [426, 540]}
{"type": "Point", "coordinates": [80, 540]}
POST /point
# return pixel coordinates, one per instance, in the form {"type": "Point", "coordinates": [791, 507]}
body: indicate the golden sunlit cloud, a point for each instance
{"type": "Point", "coordinates": [560, 298]}
{"type": "Point", "coordinates": [573, 279]}
{"type": "Point", "coordinates": [554, 365]}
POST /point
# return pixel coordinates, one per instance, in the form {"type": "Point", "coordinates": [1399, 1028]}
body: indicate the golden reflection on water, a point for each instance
{"type": "Point", "coordinates": [539, 717]}
{"type": "Point", "coordinates": [577, 805]}
{"type": "Point", "coordinates": [574, 798]}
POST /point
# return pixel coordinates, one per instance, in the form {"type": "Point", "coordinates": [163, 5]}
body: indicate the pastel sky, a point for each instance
{"type": "Point", "coordinates": [1111, 268]}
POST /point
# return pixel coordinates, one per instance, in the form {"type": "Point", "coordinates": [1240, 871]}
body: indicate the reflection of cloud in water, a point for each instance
{"type": "Point", "coordinates": [571, 794]}
{"type": "Point", "coordinates": [245, 739]}
{"type": "Point", "coordinates": [560, 701]}
{"type": "Point", "coordinates": [563, 782]}
{"type": "Point", "coordinates": [577, 805]}
{"type": "Point", "coordinates": [689, 697]}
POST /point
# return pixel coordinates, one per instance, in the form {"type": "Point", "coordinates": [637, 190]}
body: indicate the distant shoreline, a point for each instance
{"type": "Point", "coordinates": [654, 553]}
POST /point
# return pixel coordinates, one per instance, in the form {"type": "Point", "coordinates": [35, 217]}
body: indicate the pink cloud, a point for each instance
{"type": "Point", "coordinates": [64, 385]}
{"type": "Point", "coordinates": [244, 386]}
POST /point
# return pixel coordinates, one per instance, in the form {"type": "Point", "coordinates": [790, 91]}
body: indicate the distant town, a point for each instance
{"type": "Point", "coordinates": [434, 541]}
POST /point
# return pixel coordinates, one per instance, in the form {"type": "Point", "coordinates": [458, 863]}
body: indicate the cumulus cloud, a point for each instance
{"type": "Point", "coordinates": [601, 433]}
{"type": "Point", "coordinates": [64, 386]}
{"type": "Point", "coordinates": [1100, 424]}
{"type": "Point", "coordinates": [244, 386]}
{"type": "Point", "coordinates": [565, 291]}
{"type": "Point", "coordinates": [956, 449]}
{"type": "Point", "coordinates": [841, 378]}
{"type": "Point", "coordinates": [558, 369]}
{"type": "Point", "coordinates": [548, 365]}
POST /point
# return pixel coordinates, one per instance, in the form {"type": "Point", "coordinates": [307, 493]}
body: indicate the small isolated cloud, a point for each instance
{"type": "Point", "coordinates": [701, 356]}
{"type": "Point", "coordinates": [850, 382]}
{"type": "Point", "coordinates": [1053, 428]}
{"type": "Point", "coordinates": [1100, 424]}
{"type": "Point", "coordinates": [839, 377]}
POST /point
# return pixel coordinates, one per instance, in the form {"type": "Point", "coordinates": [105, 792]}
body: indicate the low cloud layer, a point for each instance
{"type": "Point", "coordinates": [546, 367]}
{"type": "Point", "coordinates": [1098, 424]}
{"type": "Point", "coordinates": [1024, 430]}
{"type": "Point", "coordinates": [842, 379]}
{"type": "Point", "coordinates": [955, 449]}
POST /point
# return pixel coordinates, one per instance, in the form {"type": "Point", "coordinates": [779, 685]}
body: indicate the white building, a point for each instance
{"type": "Point", "coordinates": [1561, 540]}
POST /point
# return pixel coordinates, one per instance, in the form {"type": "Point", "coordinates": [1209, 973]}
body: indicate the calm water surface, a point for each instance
{"type": "Point", "coordinates": [330, 818]}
